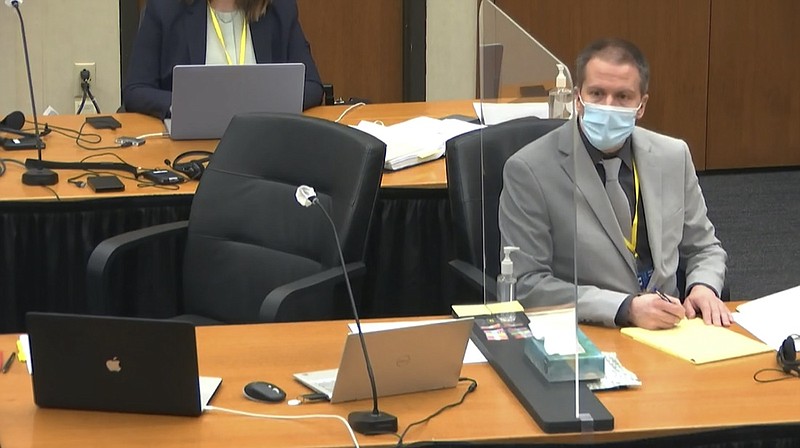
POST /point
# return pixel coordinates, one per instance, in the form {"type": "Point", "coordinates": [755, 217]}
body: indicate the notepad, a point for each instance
{"type": "Point", "coordinates": [482, 309]}
{"type": "Point", "coordinates": [697, 342]}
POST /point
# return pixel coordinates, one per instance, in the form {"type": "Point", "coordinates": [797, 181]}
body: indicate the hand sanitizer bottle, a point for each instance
{"type": "Point", "coordinates": [507, 283]}
{"type": "Point", "coordinates": [560, 99]}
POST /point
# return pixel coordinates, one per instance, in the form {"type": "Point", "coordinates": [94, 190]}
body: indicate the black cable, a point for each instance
{"type": "Point", "coordinates": [83, 100]}
{"type": "Point", "coordinates": [91, 97]}
{"type": "Point", "coordinates": [785, 376]}
{"type": "Point", "coordinates": [71, 133]}
{"type": "Point", "coordinates": [58, 198]}
{"type": "Point", "coordinates": [91, 148]}
{"type": "Point", "coordinates": [471, 388]}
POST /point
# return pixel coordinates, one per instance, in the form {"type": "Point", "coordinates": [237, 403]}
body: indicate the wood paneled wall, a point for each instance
{"type": "Point", "coordinates": [357, 45]}
{"type": "Point", "coordinates": [725, 74]}
{"type": "Point", "coordinates": [672, 34]}
{"type": "Point", "coordinates": [754, 88]}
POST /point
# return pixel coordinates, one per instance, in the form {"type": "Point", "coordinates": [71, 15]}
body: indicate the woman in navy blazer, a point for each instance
{"type": "Point", "coordinates": [173, 32]}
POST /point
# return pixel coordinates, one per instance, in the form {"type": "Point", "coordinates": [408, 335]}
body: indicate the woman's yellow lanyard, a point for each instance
{"type": "Point", "coordinates": [631, 244]}
{"type": "Point", "coordinates": [222, 40]}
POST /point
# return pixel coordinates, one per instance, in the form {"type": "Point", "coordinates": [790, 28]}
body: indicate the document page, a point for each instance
{"type": "Point", "coordinates": [697, 342]}
{"type": "Point", "coordinates": [417, 140]}
{"type": "Point", "coordinates": [771, 318]}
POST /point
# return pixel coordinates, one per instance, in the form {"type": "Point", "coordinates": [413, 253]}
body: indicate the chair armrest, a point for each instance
{"type": "Point", "coordinates": [104, 255]}
{"type": "Point", "coordinates": [475, 278]}
{"type": "Point", "coordinates": [312, 288]}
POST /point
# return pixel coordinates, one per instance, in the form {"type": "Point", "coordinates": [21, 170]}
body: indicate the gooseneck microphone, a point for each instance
{"type": "Point", "coordinates": [32, 176]}
{"type": "Point", "coordinates": [364, 422]}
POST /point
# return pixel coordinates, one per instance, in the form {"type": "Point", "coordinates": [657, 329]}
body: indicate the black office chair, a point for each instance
{"type": "Point", "coordinates": [253, 254]}
{"type": "Point", "coordinates": [466, 178]}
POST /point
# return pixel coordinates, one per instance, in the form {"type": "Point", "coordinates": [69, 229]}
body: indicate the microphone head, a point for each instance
{"type": "Point", "coordinates": [305, 195]}
{"type": "Point", "coordinates": [14, 120]}
{"type": "Point", "coordinates": [11, 3]}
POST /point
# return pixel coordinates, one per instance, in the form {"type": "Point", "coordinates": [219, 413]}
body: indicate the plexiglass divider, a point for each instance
{"type": "Point", "coordinates": [541, 354]}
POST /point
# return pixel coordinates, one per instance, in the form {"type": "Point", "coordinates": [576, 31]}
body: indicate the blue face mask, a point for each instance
{"type": "Point", "coordinates": [607, 127]}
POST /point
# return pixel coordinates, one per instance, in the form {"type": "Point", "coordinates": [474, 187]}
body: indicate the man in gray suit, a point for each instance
{"type": "Point", "coordinates": [558, 192]}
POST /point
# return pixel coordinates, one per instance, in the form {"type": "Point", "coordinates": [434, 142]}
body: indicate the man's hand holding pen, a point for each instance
{"type": "Point", "coordinates": [656, 311]}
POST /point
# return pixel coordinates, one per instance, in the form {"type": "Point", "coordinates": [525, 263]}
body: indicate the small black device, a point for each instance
{"type": "Point", "coordinates": [263, 391]}
{"type": "Point", "coordinates": [14, 143]}
{"type": "Point", "coordinates": [163, 177]}
{"type": "Point", "coordinates": [787, 355]}
{"type": "Point", "coordinates": [105, 184]}
{"type": "Point", "coordinates": [103, 122]}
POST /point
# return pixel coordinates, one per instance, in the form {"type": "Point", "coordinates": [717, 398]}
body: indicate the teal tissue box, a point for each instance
{"type": "Point", "coordinates": [562, 367]}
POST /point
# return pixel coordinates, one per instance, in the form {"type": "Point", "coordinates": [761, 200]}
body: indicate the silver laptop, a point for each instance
{"type": "Point", "coordinates": [404, 360]}
{"type": "Point", "coordinates": [116, 364]}
{"type": "Point", "coordinates": [206, 97]}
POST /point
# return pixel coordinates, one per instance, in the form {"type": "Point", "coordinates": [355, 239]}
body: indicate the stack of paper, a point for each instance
{"type": "Point", "coordinates": [697, 342]}
{"type": "Point", "coordinates": [481, 309]}
{"type": "Point", "coordinates": [496, 113]}
{"type": "Point", "coordinates": [771, 318]}
{"type": "Point", "coordinates": [417, 140]}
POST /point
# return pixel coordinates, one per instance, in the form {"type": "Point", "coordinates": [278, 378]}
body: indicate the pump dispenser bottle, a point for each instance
{"type": "Point", "coordinates": [560, 99]}
{"type": "Point", "coordinates": [507, 282]}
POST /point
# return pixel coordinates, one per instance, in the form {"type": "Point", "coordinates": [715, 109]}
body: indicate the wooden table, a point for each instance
{"type": "Point", "coordinates": [676, 398]}
{"type": "Point", "coordinates": [156, 149]}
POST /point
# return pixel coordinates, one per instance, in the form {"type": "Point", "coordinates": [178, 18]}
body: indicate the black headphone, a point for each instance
{"type": "Point", "coordinates": [787, 355]}
{"type": "Point", "coordinates": [193, 169]}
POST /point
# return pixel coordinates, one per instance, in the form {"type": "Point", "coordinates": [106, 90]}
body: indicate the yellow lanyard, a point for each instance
{"type": "Point", "coordinates": [222, 40]}
{"type": "Point", "coordinates": [631, 244]}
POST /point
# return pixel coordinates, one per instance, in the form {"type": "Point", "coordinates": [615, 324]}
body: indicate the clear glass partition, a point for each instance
{"type": "Point", "coordinates": [539, 217]}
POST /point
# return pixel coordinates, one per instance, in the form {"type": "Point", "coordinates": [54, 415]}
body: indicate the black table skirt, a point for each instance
{"type": "Point", "coordinates": [46, 245]}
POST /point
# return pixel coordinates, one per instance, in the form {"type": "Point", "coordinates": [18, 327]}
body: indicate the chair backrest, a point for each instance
{"type": "Point", "coordinates": [247, 233]}
{"type": "Point", "coordinates": [471, 171]}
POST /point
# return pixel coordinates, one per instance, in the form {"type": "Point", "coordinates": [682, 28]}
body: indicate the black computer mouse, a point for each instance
{"type": "Point", "coordinates": [264, 392]}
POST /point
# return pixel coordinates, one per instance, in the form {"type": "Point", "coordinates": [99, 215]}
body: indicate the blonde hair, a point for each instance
{"type": "Point", "coordinates": [253, 9]}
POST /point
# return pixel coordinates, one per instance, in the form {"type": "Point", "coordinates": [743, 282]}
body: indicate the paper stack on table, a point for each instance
{"type": "Point", "coordinates": [417, 140]}
{"type": "Point", "coordinates": [771, 318]}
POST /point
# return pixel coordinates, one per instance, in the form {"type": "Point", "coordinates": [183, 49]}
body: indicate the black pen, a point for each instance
{"type": "Point", "coordinates": [662, 295]}
{"type": "Point", "coordinates": [9, 361]}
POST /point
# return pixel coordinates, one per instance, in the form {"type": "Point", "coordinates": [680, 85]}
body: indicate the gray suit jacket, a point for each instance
{"type": "Point", "coordinates": [552, 199]}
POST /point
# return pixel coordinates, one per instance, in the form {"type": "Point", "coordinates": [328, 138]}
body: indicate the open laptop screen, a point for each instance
{"type": "Point", "coordinates": [206, 97]}
{"type": "Point", "coordinates": [404, 360]}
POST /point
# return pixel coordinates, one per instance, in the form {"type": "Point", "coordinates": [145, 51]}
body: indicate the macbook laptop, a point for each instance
{"type": "Point", "coordinates": [206, 97]}
{"type": "Point", "coordinates": [404, 360]}
{"type": "Point", "coordinates": [116, 364]}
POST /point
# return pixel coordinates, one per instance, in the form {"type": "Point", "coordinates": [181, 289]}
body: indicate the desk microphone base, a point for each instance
{"type": "Point", "coordinates": [39, 176]}
{"type": "Point", "coordinates": [370, 423]}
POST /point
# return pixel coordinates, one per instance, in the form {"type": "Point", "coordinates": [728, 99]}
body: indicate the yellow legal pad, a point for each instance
{"type": "Point", "coordinates": [487, 309]}
{"type": "Point", "coordinates": [697, 342]}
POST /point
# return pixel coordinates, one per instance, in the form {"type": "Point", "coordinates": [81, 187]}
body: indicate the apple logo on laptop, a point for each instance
{"type": "Point", "coordinates": [113, 365]}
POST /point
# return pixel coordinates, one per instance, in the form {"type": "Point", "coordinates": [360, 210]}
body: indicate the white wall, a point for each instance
{"type": "Point", "coordinates": [60, 32]}
{"type": "Point", "coordinates": [452, 39]}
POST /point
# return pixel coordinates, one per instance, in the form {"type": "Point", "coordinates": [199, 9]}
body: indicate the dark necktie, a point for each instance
{"type": "Point", "coordinates": [619, 201]}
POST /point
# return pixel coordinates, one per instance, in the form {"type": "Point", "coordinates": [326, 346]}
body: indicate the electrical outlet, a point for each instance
{"type": "Point", "coordinates": [76, 75]}
{"type": "Point", "coordinates": [88, 107]}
